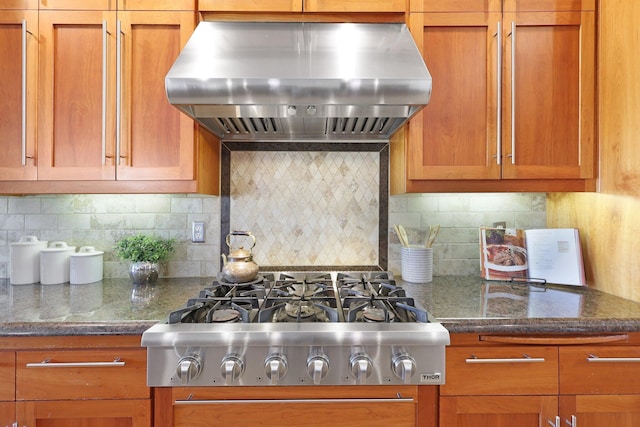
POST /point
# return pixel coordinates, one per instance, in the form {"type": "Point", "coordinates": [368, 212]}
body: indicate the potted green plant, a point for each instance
{"type": "Point", "coordinates": [145, 253]}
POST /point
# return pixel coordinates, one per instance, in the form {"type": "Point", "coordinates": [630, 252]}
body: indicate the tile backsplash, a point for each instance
{"type": "Point", "coordinates": [100, 220]}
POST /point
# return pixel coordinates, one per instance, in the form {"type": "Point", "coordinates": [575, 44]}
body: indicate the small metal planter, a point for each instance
{"type": "Point", "coordinates": [144, 272]}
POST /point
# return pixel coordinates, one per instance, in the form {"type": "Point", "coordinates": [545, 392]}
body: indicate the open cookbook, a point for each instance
{"type": "Point", "coordinates": [547, 254]}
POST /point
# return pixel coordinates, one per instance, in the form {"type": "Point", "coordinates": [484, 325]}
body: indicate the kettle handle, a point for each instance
{"type": "Point", "coordinates": [241, 233]}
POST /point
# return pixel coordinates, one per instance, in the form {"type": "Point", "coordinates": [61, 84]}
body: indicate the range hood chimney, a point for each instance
{"type": "Point", "coordinates": [293, 81]}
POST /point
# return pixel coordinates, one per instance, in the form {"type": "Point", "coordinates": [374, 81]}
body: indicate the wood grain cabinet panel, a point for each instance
{"type": "Point", "coordinates": [80, 374]}
{"type": "Point", "coordinates": [18, 73]}
{"type": "Point", "coordinates": [512, 370]}
{"type": "Point", "coordinates": [84, 381]}
{"type": "Point", "coordinates": [250, 5]}
{"type": "Point", "coordinates": [7, 376]}
{"type": "Point", "coordinates": [513, 102]}
{"type": "Point", "coordinates": [600, 370]}
{"type": "Point", "coordinates": [573, 384]}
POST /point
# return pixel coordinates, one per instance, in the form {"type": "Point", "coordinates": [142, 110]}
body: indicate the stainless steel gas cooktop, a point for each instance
{"type": "Point", "coordinates": [301, 328]}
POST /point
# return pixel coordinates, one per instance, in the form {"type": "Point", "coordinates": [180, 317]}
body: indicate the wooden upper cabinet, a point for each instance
{"type": "Point", "coordinates": [549, 95]}
{"type": "Point", "coordinates": [513, 97]}
{"type": "Point", "coordinates": [104, 114]}
{"type": "Point", "coordinates": [153, 139]}
{"type": "Point", "coordinates": [354, 6]}
{"type": "Point", "coordinates": [19, 4]}
{"type": "Point", "coordinates": [467, 6]}
{"type": "Point", "coordinates": [455, 136]}
{"type": "Point", "coordinates": [158, 5]}
{"type": "Point", "coordinates": [18, 73]}
{"type": "Point", "coordinates": [250, 5]}
{"type": "Point", "coordinates": [78, 4]}
{"type": "Point", "coordinates": [76, 116]}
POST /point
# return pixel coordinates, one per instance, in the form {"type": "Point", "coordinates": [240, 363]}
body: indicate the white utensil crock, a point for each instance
{"type": "Point", "coordinates": [24, 265]}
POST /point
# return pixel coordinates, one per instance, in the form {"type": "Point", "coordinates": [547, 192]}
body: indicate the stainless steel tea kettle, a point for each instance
{"type": "Point", "coordinates": [238, 266]}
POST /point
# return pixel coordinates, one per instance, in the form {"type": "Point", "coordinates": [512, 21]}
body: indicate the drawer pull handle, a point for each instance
{"type": "Point", "coordinates": [46, 363]}
{"type": "Point", "coordinates": [594, 358]}
{"type": "Point", "coordinates": [288, 401]}
{"type": "Point", "coordinates": [524, 359]}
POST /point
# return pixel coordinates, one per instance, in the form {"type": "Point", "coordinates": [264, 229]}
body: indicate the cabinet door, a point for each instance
{"type": "Point", "coordinates": [78, 413]}
{"type": "Point", "coordinates": [455, 136]}
{"type": "Point", "coordinates": [250, 5]}
{"type": "Point", "coordinates": [18, 74]}
{"type": "Point", "coordinates": [7, 376]}
{"type": "Point", "coordinates": [7, 413]}
{"type": "Point", "coordinates": [76, 120]}
{"type": "Point", "coordinates": [153, 139]}
{"type": "Point", "coordinates": [601, 410]}
{"type": "Point", "coordinates": [548, 95]}
{"type": "Point", "coordinates": [491, 411]}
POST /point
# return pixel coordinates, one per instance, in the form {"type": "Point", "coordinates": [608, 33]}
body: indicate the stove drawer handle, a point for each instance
{"type": "Point", "coordinates": [245, 401]}
{"type": "Point", "coordinates": [524, 359]}
{"type": "Point", "coordinates": [595, 358]}
{"type": "Point", "coordinates": [46, 363]}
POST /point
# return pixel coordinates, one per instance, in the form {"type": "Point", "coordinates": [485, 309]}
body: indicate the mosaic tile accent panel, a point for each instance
{"type": "Point", "coordinates": [307, 207]}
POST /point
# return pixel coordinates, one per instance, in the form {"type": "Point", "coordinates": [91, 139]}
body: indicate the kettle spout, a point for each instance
{"type": "Point", "coordinates": [224, 259]}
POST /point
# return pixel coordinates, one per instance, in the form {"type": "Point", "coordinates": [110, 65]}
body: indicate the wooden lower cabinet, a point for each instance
{"type": "Point", "coordinates": [349, 406]}
{"type": "Point", "coordinates": [92, 381]}
{"type": "Point", "coordinates": [585, 381]}
{"type": "Point", "coordinates": [491, 411]}
{"type": "Point", "coordinates": [7, 413]}
{"type": "Point", "coordinates": [93, 413]}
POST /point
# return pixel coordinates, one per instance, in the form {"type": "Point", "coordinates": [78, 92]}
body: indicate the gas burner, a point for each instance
{"type": "Point", "coordinates": [225, 315]}
{"type": "Point", "coordinates": [258, 280]}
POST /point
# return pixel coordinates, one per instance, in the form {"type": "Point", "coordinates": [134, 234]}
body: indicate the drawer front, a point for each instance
{"type": "Point", "coordinates": [7, 376]}
{"type": "Point", "coordinates": [517, 370]}
{"type": "Point", "coordinates": [81, 374]}
{"type": "Point", "coordinates": [600, 370]}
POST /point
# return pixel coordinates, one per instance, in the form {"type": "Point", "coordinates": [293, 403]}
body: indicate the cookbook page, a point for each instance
{"type": "Point", "coordinates": [503, 255]}
{"type": "Point", "coordinates": [555, 255]}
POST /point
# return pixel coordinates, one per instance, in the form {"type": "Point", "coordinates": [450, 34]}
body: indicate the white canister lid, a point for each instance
{"type": "Point", "coordinates": [59, 247]}
{"type": "Point", "coordinates": [29, 241]}
{"type": "Point", "coordinates": [86, 251]}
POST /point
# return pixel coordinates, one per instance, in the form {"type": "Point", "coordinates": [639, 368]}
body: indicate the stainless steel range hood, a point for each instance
{"type": "Point", "coordinates": [292, 81]}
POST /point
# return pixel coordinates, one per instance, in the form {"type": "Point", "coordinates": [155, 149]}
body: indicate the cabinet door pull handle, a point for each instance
{"type": "Point", "coordinates": [594, 358]}
{"type": "Point", "coordinates": [573, 422]}
{"type": "Point", "coordinates": [499, 97]}
{"type": "Point", "coordinates": [48, 364]}
{"type": "Point", "coordinates": [118, 90]}
{"type": "Point", "coordinates": [524, 359]}
{"type": "Point", "coordinates": [24, 93]}
{"type": "Point", "coordinates": [104, 92]}
{"type": "Point", "coordinates": [555, 423]}
{"type": "Point", "coordinates": [513, 93]}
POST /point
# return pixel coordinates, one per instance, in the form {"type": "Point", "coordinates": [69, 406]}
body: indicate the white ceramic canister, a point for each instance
{"type": "Point", "coordinates": [55, 263]}
{"type": "Point", "coordinates": [24, 265]}
{"type": "Point", "coordinates": [86, 266]}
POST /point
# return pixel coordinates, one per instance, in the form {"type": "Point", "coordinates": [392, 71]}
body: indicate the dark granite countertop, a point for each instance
{"type": "Point", "coordinates": [461, 304]}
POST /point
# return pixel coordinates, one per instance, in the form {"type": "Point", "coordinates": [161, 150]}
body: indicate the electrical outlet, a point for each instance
{"type": "Point", "coordinates": [197, 231]}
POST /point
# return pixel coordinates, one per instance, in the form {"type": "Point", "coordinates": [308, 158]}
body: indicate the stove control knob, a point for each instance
{"type": "Point", "coordinates": [361, 367]}
{"type": "Point", "coordinates": [275, 366]}
{"type": "Point", "coordinates": [317, 366]}
{"type": "Point", "coordinates": [232, 368]}
{"type": "Point", "coordinates": [403, 367]}
{"type": "Point", "coordinates": [189, 368]}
